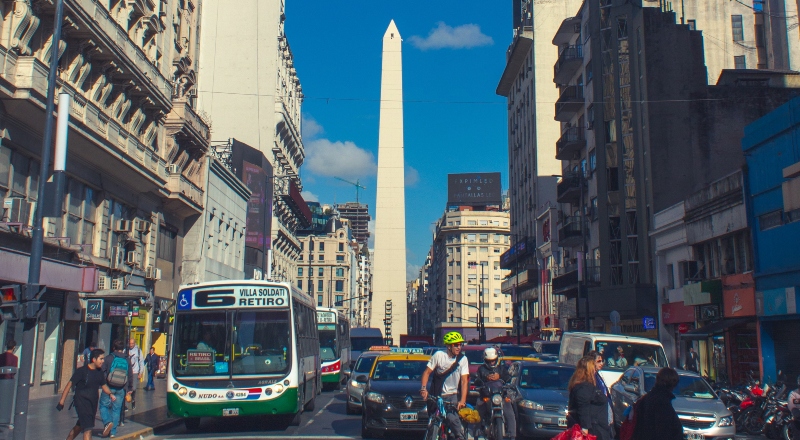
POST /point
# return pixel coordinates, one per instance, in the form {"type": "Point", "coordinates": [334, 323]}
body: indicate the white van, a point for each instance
{"type": "Point", "coordinates": [619, 352]}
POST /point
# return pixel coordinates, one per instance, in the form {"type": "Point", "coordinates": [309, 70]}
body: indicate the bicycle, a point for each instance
{"type": "Point", "coordinates": [437, 422]}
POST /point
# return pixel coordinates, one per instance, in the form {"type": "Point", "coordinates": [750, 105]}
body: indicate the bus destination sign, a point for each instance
{"type": "Point", "coordinates": [326, 317]}
{"type": "Point", "coordinates": [233, 296]}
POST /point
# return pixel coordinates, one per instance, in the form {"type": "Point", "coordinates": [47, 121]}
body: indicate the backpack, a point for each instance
{"type": "Point", "coordinates": [438, 379]}
{"type": "Point", "coordinates": [117, 376]}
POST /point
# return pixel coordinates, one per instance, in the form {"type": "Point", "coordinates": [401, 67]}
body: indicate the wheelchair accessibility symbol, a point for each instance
{"type": "Point", "coordinates": [185, 301]}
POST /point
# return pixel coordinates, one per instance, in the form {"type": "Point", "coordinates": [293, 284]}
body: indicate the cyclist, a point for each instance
{"type": "Point", "coordinates": [450, 379]}
{"type": "Point", "coordinates": [493, 370]}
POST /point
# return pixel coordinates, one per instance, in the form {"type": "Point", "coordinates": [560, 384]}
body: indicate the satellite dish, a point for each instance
{"type": "Point", "coordinates": [614, 317]}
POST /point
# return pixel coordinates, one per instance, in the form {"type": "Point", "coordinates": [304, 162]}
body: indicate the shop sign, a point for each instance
{"type": "Point", "coordinates": [705, 292]}
{"type": "Point", "coordinates": [776, 302]}
{"type": "Point", "coordinates": [649, 323]}
{"type": "Point", "coordinates": [118, 311]}
{"type": "Point", "coordinates": [677, 312]}
{"type": "Point", "coordinates": [94, 310]}
{"type": "Point", "coordinates": [739, 302]}
{"type": "Point", "coordinates": [709, 312]}
{"type": "Point", "coordinates": [683, 328]}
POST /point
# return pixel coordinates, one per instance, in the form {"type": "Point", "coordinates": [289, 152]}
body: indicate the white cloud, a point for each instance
{"type": "Point", "coordinates": [308, 196]}
{"type": "Point", "coordinates": [447, 37]}
{"type": "Point", "coordinates": [412, 176]}
{"type": "Point", "coordinates": [412, 271]}
{"type": "Point", "coordinates": [311, 127]}
{"type": "Point", "coordinates": [339, 159]}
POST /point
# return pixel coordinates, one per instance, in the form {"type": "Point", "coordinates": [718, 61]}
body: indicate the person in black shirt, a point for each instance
{"type": "Point", "coordinates": [493, 370]}
{"type": "Point", "coordinates": [87, 380]}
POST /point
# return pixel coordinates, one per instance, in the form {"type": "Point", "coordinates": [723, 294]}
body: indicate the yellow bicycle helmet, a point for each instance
{"type": "Point", "coordinates": [452, 338]}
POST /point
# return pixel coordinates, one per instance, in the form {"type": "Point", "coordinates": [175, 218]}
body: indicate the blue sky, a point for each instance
{"type": "Point", "coordinates": [453, 56]}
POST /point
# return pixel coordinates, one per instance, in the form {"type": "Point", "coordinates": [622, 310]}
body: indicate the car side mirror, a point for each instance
{"type": "Point", "coordinates": [362, 378]}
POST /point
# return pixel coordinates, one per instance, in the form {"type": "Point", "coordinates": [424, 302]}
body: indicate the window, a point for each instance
{"type": "Point", "coordinates": [339, 286]}
{"type": "Point", "coordinates": [472, 291]}
{"type": "Point", "coordinates": [340, 258]}
{"type": "Point", "coordinates": [167, 242]}
{"type": "Point", "coordinates": [497, 306]}
{"type": "Point", "coordinates": [739, 62]}
{"type": "Point", "coordinates": [339, 271]}
{"type": "Point", "coordinates": [592, 161]}
{"type": "Point", "coordinates": [319, 300]}
{"type": "Point", "coordinates": [589, 73]}
{"type": "Point", "coordinates": [738, 28]}
{"type": "Point", "coordinates": [770, 220]}
{"type": "Point", "coordinates": [322, 245]}
{"type": "Point", "coordinates": [484, 238]}
{"type": "Point", "coordinates": [692, 24]}
{"type": "Point", "coordinates": [496, 238]}
{"type": "Point", "coordinates": [472, 223]}
{"type": "Point", "coordinates": [302, 245]}
{"type": "Point", "coordinates": [670, 276]}
{"type": "Point", "coordinates": [593, 208]}
{"type": "Point", "coordinates": [81, 212]}
{"type": "Point", "coordinates": [299, 284]}
{"type": "Point", "coordinates": [299, 271]}
{"type": "Point", "coordinates": [319, 285]}
{"type": "Point", "coordinates": [321, 257]}
{"type": "Point", "coordinates": [496, 250]}
{"type": "Point", "coordinates": [471, 238]}
{"type": "Point", "coordinates": [339, 300]}
{"type": "Point", "coordinates": [341, 247]}
{"type": "Point", "coordinates": [484, 223]}
{"type": "Point", "coordinates": [497, 277]}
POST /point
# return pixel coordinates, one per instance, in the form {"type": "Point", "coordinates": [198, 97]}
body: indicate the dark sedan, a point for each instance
{"type": "Point", "coordinates": [542, 386]}
{"type": "Point", "coordinates": [391, 400]}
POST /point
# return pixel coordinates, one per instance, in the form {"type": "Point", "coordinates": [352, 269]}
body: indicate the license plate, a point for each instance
{"type": "Point", "coordinates": [228, 412]}
{"type": "Point", "coordinates": [695, 436]}
{"type": "Point", "coordinates": [562, 421]}
{"type": "Point", "coordinates": [408, 417]}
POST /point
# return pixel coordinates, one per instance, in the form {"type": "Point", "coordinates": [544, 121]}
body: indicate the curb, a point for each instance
{"type": "Point", "coordinates": [147, 432]}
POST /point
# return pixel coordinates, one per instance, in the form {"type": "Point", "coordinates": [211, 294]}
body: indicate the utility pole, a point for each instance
{"type": "Point", "coordinates": [32, 288]}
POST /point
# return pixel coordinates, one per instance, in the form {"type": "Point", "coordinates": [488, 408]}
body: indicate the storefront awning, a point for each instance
{"type": "Point", "coordinates": [713, 328]}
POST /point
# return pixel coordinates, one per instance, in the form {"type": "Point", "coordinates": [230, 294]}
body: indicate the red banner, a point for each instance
{"type": "Point", "coordinates": [676, 313]}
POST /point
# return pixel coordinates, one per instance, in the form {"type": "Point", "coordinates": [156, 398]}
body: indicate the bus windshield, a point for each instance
{"type": "Point", "coordinates": [618, 356]}
{"type": "Point", "coordinates": [327, 344]}
{"type": "Point", "coordinates": [232, 343]}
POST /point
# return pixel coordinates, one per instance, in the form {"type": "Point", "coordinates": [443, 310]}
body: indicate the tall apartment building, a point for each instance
{"type": "Point", "coordinates": [136, 166]}
{"type": "Point", "coordinates": [360, 314]}
{"type": "Point", "coordinates": [646, 135]}
{"type": "Point", "coordinates": [259, 103]}
{"type": "Point", "coordinates": [358, 214]}
{"type": "Point", "coordinates": [326, 264]}
{"type": "Point", "coordinates": [465, 272]}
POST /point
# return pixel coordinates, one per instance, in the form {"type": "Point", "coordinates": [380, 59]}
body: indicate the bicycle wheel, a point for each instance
{"type": "Point", "coordinates": [434, 429]}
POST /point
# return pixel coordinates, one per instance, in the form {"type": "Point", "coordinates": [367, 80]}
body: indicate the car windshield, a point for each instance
{"type": "Point", "coordinates": [688, 386]}
{"type": "Point", "coordinates": [474, 356]}
{"type": "Point", "coordinates": [399, 370]}
{"type": "Point", "coordinates": [618, 356]}
{"type": "Point", "coordinates": [545, 378]}
{"type": "Point", "coordinates": [363, 344]}
{"type": "Point", "coordinates": [364, 364]}
{"type": "Point", "coordinates": [327, 343]}
{"type": "Point", "coordinates": [513, 350]}
{"type": "Point", "coordinates": [550, 348]}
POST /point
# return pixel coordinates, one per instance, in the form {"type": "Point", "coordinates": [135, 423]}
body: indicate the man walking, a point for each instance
{"type": "Point", "coordinates": [9, 359]}
{"type": "Point", "coordinates": [116, 370]}
{"type": "Point", "coordinates": [151, 361]}
{"type": "Point", "coordinates": [691, 360]}
{"type": "Point", "coordinates": [137, 366]}
{"type": "Point", "coordinates": [87, 380]}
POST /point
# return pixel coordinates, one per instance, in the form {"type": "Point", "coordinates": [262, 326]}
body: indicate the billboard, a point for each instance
{"type": "Point", "coordinates": [258, 215]}
{"type": "Point", "coordinates": [473, 189]}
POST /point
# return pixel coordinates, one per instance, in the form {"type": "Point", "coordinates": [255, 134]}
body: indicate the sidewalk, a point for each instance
{"type": "Point", "coordinates": [45, 422]}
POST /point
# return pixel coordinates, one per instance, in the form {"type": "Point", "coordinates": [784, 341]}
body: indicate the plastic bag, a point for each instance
{"type": "Point", "coordinates": [574, 433]}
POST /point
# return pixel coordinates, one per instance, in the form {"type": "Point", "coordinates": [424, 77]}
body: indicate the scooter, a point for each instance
{"type": "Point", "coordinates": [495, 394]}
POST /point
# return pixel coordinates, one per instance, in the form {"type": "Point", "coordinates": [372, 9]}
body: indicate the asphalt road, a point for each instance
{"type": "Point", "coordinates": [328, 421]}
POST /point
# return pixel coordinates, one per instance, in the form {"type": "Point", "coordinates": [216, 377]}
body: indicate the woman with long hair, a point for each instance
{"type": "Point", "coordinates": [588, 406]}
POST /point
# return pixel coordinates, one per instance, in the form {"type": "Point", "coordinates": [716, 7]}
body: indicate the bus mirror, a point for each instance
{"type": "Point", "coordinates": [361, 378]}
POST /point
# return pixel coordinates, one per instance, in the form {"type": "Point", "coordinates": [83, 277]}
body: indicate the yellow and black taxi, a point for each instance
{"type": "Point", "coordinates": [391, 400]}
{"type": "Point", "coordinates": [361, 369]}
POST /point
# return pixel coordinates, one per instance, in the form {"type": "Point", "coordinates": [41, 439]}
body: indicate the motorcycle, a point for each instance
{"type": "Point", "coordinates": [495, 394]}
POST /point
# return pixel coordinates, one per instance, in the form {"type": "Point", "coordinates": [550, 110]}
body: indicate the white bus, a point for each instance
{"type": "Point", "coordinates": [619, 352]}
{"type": "Point", "coordinates": [334, 345]}
{"type": "Point", "coordinates": [243, 348]}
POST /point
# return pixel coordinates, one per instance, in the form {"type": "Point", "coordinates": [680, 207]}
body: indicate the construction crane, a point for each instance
{"type": "Point", "coordinates": [356, 184]}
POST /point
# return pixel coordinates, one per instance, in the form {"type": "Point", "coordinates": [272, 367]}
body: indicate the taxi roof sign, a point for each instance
{"type": "Point", "coordinates": [407, 350]}
{"type": "Point", "coordinates": [380, 348]}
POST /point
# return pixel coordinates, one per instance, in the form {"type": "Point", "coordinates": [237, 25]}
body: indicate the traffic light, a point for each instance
{"type": "Point", "coordinates": [9, 303]}
{"type": "Point", "coordinates": [508, 320]}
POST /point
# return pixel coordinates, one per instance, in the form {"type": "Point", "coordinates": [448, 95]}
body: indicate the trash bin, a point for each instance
{"type": "Point", "coordinates": [8, 387]}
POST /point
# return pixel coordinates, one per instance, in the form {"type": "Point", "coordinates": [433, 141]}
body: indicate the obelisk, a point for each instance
{"type": "Point", "coordinates": [389, 276]}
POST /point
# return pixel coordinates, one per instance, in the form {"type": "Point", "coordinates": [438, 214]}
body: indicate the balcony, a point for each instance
{"type": "Point", "coordinates": [569, 28]}
{"type": "Point", "coordinates": [515, 60]}
{"type": "Point", "coordinates": [185, 198]}
{"type": "Point", "coordinates": [527, 279]}
{"type": "Point", "coordinates": [569, 234]}
{"type": "Point", "coordinates": [569, 61]}
{"type": "Point", "coordinates": [568, 103]}
{"type": "Point", "coordinates": [569, 189]}
{"type": "Point", "coordinates": [565, 280]}
{"type": "Point", "coordinates": [570, 144]}
{"type": "Point", "coordinates": [186, 126]}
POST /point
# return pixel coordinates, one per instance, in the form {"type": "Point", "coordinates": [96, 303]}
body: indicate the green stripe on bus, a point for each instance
{"type": "Point", "coordinates": [286, 403]}
{"type": "Point", "coordinates": [331, 378]}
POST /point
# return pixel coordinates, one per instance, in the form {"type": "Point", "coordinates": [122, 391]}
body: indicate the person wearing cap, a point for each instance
{"type": "Point", "coordinates": [493, 370]}
{"type": "Point", "coordinates": [450, 371]}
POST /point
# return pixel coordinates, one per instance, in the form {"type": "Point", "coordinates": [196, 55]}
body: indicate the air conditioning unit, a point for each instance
{"type": "Point", "coordinates": [117, 284]}
{"type": "Point", "coordinates": [141, 225]}
{"type": "Point", "coordinates": [103, 282]}
{"type": "Point", "coordinates": [130, 258]}
{"type": "Point", "coordinates": [173, 169]}
{"type": "Point", "coordinates": [122, 226]}
{"type": "Point", "coordinates": [16, 210]}
{"type": "Point", "coordinates": [117, 256]}
{"type": "Point", "coordinates": [152, 273]}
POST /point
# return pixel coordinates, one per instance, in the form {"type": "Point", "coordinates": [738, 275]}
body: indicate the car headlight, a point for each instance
{"type": "Point", "coordinates": [356, 384]}
{"type": "Point", "coordinates": [530, 404]}
{"type": "Point", "coordinates": [726, 421]}
{"type": "Point", "coordinates": [497, 399]}
{"type": "Point", "coordinates": [375, 397]}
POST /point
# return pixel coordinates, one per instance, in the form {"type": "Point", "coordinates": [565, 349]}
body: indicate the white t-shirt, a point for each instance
{"type": "Point", "coordinates": [441, 362]}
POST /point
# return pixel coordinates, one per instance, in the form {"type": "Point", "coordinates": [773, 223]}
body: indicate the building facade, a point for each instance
{"type": "Point", "coordinates": [358, 214]}
{"type": "Point", "coordinates": [326, 264]}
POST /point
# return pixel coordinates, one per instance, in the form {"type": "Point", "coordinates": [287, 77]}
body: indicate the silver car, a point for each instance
{"type": "Point", "coordinates": [355, 389]}
{"type": "Point", "coordinates": [702, 413]}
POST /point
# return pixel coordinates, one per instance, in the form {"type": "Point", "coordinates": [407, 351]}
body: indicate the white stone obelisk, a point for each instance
{"type": "Point", "coordinates": [389, 276]}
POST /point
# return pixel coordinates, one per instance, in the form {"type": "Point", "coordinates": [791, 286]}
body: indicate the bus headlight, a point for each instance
{"type": "Point", "coordinates": [375, 397]}
{"type": "Point", "coordinates": [531, 405]}
{"type": "Point", "coordinates": [278, 388]}
{"type": "Point", "coordinates": [182, 392]}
